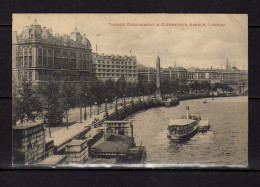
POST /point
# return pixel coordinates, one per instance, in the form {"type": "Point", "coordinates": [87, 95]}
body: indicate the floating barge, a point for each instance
{"type": "Point", "coordinates": [203, 125]}
{"type": "Point", "coordinates": [118, 144]}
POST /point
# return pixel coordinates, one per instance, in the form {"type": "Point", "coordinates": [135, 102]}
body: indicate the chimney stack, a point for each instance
{"type": "Point", "coordinates": [187, 112]}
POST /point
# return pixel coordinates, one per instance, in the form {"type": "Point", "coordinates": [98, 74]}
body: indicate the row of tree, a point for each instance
{"type": "Point", "coordinates": [53, 100]}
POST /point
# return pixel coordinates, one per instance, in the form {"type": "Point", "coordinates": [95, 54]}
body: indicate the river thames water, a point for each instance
{"type": "Point", "coordinates": [226, 143]}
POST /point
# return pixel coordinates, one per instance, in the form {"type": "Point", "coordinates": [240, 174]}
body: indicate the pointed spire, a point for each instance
{"type": "Point", "coordinates": [227, 65]}
{"type": "Point", "coordinates": [75, 22]}
{"type": "Point", "coordinates": [35, 22]}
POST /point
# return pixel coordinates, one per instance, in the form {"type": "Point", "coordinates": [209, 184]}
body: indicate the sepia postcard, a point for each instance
{"type": "Point", "coordinates": [130, 90]}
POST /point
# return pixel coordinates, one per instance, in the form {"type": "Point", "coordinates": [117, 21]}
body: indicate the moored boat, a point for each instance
{"type": "Point", "coordinates": [117, 144]}
{"type": "Point", "coordinates": [171, 102]}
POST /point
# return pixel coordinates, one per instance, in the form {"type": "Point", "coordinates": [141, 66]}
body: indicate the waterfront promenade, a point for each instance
{"type": "Point", "coordinates": [62, 135]}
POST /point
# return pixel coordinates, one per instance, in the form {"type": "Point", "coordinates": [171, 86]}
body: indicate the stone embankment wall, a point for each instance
{"type": "Point", "coordinates": [124, 112]}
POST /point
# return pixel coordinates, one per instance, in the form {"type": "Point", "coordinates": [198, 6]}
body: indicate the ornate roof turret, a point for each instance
{"type": "Point", "coordinates": [35, 31]}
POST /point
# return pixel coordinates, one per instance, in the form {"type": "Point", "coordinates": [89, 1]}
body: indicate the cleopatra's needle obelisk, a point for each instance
{"type": "Point", "coordinates": [158, 91]}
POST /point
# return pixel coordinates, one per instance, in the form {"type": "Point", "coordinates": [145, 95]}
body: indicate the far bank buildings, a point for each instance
{"type": "Point", "coordinates": [39, 55]}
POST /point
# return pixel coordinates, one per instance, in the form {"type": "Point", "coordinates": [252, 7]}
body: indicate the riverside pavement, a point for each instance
{"type": "Point", "coordinates": [60, 135]}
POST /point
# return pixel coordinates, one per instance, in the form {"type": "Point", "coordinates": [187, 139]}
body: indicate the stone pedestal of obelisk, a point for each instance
{"type": "Point", "coordinates": [158, 95]}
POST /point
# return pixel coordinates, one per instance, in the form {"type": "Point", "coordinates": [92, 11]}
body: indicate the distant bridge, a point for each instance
{"type": "Point", "coordinates": [241, 87]}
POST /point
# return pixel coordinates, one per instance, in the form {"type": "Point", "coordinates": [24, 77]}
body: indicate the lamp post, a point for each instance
{"type": "Point", "coordinates": [97, 107]}
{"type": "Point", "coordinates": [90, 111]}
{"type": "Point", "coordinates": [80, 113]}
{"type": "Point", "coordinates": [116, 103]}
{"type": "Point", "coordinates": [124, 104]}
{"type": "Point", "coordinates": [85, 113]}
{"type": "Point", "coordinates": [44, 106]}
{"type": "Point", "coordinates": [116, 109]}
{"type": "Point", "coordinates": [124, 101]}
{"type": "Point", "coordinates": [106, 109]}
{"type": "Point", "coordinates": [133, 100]}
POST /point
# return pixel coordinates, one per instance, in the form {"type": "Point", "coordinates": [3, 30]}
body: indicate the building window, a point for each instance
{"type": "Point", "coordinates": [25, 61]}
{"type": "Point", "coordinates": [25, 76]}
{"type": "Point", "coordinates": [30, 75]}
{"type": "Point", "coordinates": [19, 75]}
{"type": "Point", "coordinates": [30, 61]}
{"type": "Point", "coordinates": [44, 62]}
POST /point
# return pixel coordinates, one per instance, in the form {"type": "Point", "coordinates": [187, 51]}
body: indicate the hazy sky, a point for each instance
{"type": "Point", "coordinates": [188, 46]}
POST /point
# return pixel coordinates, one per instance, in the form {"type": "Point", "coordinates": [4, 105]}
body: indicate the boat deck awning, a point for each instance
{"type": "Point", "coordinates": [181, 122]}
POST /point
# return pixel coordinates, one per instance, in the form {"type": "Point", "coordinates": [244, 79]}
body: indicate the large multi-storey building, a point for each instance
{"type": "Point", "coordinates": [146, 75]}
{"type": "Point", "coordinates": [237, 79]}
{"type": "Point", "coordinates": [195, 74]}
{"type": "Point", "coordinates": [168, 74]}
{"type": "Point", "coordinates": [228, 76]}
{"type": "Point", "coordinates": [113, 67]}
{"type": "Point", "coordinates": [178, 74]}
{"type": "Point", "coordinates": [39, 56]}
{"type": "Point", "coordinates": [233, 77]}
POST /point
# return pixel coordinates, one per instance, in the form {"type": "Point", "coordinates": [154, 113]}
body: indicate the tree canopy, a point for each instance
{"type": "Point", "coordinates": [57, 98]}
{"type": "Point", "coordinates": [26, 104]}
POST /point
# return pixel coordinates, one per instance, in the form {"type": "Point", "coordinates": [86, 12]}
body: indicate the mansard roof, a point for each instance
{"type": "Point", "coordinates": [112, 56]}
{"type": "Point", "coordinates": [36, 32]}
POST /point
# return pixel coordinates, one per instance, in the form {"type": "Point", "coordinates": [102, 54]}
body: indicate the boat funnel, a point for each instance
{"type": "Point", "coordinates": [132, 129]}
{"type": "Point", "coordinates": [187, 112]}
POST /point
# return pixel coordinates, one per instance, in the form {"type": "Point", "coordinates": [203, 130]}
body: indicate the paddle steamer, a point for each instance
{"type": "Point", "coordinates": [182, 129]}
